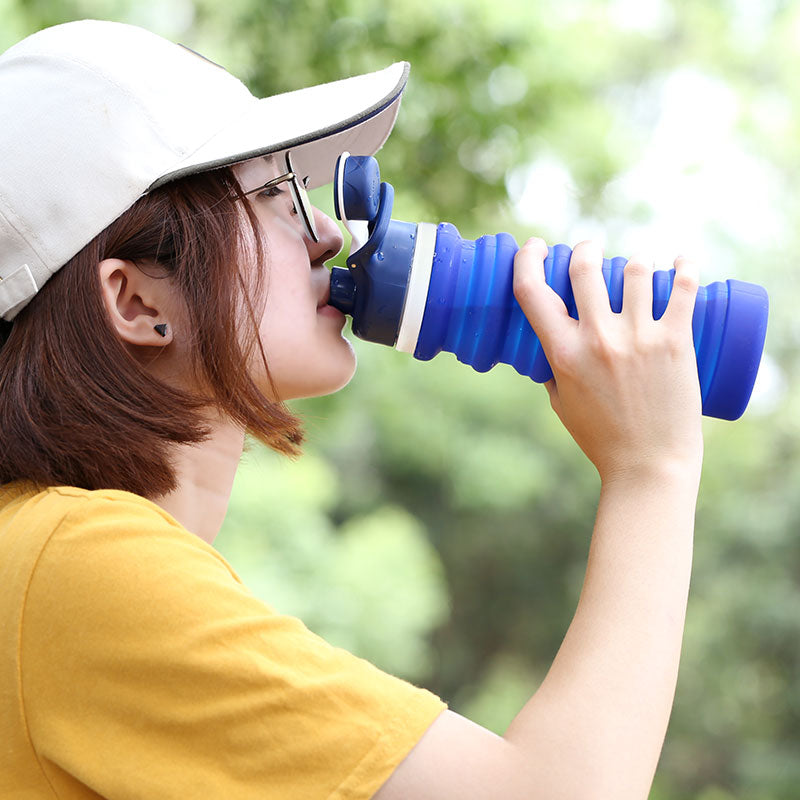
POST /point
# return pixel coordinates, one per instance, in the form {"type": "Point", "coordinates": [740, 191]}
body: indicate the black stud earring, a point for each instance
{"type": "Point", "coordinates": [161, 329]}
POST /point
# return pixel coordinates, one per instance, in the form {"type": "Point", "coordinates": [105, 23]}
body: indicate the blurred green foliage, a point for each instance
{"type": "Point", "coordinates": [439, 522]}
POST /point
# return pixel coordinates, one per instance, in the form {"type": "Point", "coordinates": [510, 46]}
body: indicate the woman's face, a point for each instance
{"type": "Point", "coordinates": [301, 334]}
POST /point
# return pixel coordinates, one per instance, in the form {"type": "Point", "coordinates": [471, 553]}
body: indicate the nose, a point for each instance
{"type": "Point", "coordinates": [330, 239]}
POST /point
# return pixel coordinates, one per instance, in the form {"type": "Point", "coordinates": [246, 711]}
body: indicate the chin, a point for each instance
{"type": "Point", "coordinates": [317, 383]}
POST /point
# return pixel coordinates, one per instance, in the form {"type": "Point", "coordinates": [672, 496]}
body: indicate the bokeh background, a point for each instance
{"type": "Point", "coordinates": [439, 521]}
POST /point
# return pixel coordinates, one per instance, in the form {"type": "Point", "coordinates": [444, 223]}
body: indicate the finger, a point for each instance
{"type": "Point", "coordinates": [637, 290]}
{"type": "Point", "coordinates": [544, 309]}
{"type": "Point", "coordinates": [588, 285]}
{"type": "Point", "coordinates": [684, 293]}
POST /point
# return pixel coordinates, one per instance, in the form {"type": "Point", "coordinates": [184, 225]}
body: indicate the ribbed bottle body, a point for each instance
{"type": "Point", "coordinates": [471, 312]}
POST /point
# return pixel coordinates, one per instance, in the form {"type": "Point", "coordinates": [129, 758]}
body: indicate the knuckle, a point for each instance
{"type": "Point", "coordinates": [685, 282]}
{"type": "Point", "coordinates": [523, 286]}
{"type": "Point", "coordinates": [606, 348]}
{"type": "Point", "coordinates": [560, 357]}
{"type": "Point", "coordinates": [636, 269]}
{"type": "Point", "coordinates": [677, 342]}
{"type": "Point", "coordinates": [650, 337]}
{"type": "Point", "coordinates": [580, 267]}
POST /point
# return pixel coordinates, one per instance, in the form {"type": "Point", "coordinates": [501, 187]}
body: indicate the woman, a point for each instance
{"type": "Point", "coordinates": [163, 290]}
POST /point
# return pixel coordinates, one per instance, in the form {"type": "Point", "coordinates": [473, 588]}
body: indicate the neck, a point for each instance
{"type": "Point", "coordinates": [205, 474]}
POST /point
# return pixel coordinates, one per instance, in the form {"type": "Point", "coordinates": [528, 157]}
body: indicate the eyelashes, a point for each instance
{"type": "Point", "coordinates": [272, 191]}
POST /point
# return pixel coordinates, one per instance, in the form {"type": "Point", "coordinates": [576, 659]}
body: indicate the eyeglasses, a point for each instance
{"type": "Point", "coordinates": [299, 195]}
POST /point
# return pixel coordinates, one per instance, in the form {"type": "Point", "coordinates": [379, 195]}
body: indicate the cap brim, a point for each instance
{"type": "Point", "coordinates": [316, 124]}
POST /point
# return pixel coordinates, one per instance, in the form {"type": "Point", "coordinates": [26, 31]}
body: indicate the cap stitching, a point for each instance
{"type": "Point", "coordinates": [7, 213]}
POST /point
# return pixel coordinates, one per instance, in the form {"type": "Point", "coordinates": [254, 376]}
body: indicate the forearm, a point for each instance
{"type": "Point", "coordinates": [625, 386]}
{"type": "Point", "coordinates": [598, 720]}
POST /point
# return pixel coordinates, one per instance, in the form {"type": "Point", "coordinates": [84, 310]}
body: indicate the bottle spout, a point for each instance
{"type": "Point", "coordinates": [343, 290]}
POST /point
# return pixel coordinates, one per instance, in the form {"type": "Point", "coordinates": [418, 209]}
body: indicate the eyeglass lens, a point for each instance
{"type": "Point", "coordinates": [301, 201]}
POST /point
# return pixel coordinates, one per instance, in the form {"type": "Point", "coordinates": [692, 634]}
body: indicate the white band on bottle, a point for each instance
{"type": "Point", "coordinates": [417, 292]}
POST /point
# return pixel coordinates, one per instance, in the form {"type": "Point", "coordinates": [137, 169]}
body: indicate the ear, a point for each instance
{"type": "Point", "coordinates": [136, 302]}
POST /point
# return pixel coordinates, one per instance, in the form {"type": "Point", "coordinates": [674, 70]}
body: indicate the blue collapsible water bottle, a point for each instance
{"type": "Point", "coordinates": [423, 289]}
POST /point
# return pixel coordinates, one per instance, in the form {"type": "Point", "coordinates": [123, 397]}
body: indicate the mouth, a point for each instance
{"type": "Point", "coordinates": [323, 301]}
{"type": "Point", "coordinates": [325, 309]}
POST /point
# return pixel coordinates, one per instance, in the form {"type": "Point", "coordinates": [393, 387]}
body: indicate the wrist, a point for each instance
{"type": "Point", "coordinates": [680, 472]}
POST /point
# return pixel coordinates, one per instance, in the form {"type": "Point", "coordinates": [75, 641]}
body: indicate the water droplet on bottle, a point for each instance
{"type": "Point", "coordinates": [379, 255]}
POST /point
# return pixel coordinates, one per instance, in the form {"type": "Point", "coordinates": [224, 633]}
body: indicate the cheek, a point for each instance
{"type": "Point", "coordinates": [305, 350]}
{"type": "Point", "coordinates": [288, 311]}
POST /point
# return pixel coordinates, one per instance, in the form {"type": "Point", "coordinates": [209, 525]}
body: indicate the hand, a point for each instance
{"type": "Point", "coordinates": [625, 385]}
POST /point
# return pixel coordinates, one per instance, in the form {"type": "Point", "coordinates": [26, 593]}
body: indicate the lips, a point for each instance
{"type": "Point", "coordinates": [325, 297]}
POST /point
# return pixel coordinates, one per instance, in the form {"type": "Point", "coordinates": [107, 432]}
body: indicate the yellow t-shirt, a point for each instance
{"type": "Point", "coordinates": [135, 664]}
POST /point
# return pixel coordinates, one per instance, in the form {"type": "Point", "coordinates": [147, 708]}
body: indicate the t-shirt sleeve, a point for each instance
{"type": "Point", "coordinates": [149, 670]}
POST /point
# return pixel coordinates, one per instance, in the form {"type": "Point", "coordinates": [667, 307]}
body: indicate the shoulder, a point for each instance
{"type": "Point", "coordinates": [77, 506]}
{"type": "Point", "coordinates": [70, 531]}
{"type": "Point", "coordinates": [24, 506]}
{"type": "Point", "coordinates": [67, 518]}
{"type": "Point", "coordinates": [104, 544]}
{"type": "Point", "coordinates": [116, 573]}
{"type": "Point", "coordinates": [137, 627]}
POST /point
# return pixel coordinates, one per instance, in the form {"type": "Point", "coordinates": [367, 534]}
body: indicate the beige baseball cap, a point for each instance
{"type": "Point", "coordinates": [96, 114]}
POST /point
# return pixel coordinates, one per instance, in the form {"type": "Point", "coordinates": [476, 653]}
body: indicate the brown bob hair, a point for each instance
{"type": "Point", "coordinates": [78, 407]}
